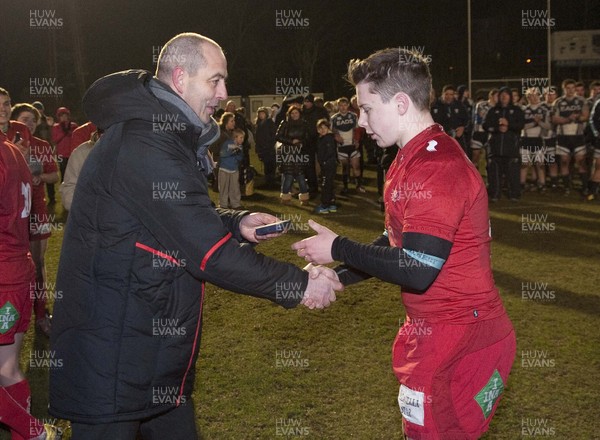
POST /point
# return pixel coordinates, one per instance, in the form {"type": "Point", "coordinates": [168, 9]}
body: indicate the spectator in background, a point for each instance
{"type": "Point", "coordinates": [265, 145]}
{"type": "Point", "coordinates": [480, 136]}
{"type": "Point", "coordinates": [517, 97]}
{"type": "Point", "coordinates": [463, 97]}
{"type": "Point", "coordinates": [274, 111]}
{"type": "Point", "coordinates": [311, 115]}
{"type": "Point", "coordinates": [327, 156]}
{"type": "Point", "coordinates": [504, 122]}
{"type": "Point", "coordinates": [62, 132]}
{"type": "Point", "coordinates": [44, 131]}
{"type": "Point", "coordinates": [43, 170]}
{"type": "Point", "coordinates": [330, 107]}
{"type": "Point", "coordinates": [450, 114]}
{"type": "Point", "coordinates": [291, 156]}
{"type": "Point", "coordinates": [76, 161]}
{"type": "Point", "coordinates": [226, 125]}
{"type": "Point", "coordinates": [82, 134]}
{"type": "Point", "coordinates": [230, 158]}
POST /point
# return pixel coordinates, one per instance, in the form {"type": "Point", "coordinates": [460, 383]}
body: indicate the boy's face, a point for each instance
{"type": "Point", "coordinates": [343, 107]}
{"type": "Point", "coordinates": [239, 139]}
{"type": "Point", "coordinates": [322, 130]}
{"type": "Point", "coordinates": [380, 119]}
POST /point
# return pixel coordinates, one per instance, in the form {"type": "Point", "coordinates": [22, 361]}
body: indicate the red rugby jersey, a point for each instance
{"type": "Point", "coordinates": [432, 188]}
{"type": "Point", "coordinates": [16, 266]}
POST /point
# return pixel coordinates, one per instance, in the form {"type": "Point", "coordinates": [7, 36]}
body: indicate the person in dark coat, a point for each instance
{"type": "Point", "coordinates": [504, 122]}
{"type": "Point", "coordinates": [265, 145]}
{"type": "Point", "coordinates": [141, 240]}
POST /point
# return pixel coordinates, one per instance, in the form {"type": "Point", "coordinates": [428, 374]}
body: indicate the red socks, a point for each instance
{"type": "Point", "coordinates": [15, 402]}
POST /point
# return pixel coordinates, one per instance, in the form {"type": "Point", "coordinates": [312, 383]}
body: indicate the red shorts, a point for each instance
{"type": "Point", "coordinates": [452, 376]}
{"type": "Point", "coordinates": [15, 312]}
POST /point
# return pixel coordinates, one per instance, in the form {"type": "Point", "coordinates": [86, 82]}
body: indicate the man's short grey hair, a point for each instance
{"type": "Point", "coordinates": [185, 51]}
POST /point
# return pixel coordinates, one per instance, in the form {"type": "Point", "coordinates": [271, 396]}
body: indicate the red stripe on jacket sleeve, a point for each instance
{"type": "Point", "coordinates": [212, 250]}
{"type": "Point", "coordinates": [157, 252]}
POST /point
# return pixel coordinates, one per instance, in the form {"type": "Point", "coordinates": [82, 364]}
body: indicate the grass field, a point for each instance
{"type": "Point", "coordinates": [265, 372]}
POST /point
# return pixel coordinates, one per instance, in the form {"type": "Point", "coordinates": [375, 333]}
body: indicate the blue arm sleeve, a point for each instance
{"type": "Point", "coordinates": [415, 266]}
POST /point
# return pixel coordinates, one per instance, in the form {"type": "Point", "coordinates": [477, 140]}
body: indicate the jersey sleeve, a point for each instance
{"type": "Point", "coordinates": [437, 202]}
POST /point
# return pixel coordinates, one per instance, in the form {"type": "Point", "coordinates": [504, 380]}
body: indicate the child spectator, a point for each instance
{"type": "Point", "coordinates": [327, 157]}
{"type": "Point", "coordinates": [230, 159]}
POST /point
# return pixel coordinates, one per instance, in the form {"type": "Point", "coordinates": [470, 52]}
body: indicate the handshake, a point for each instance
{"type": "Point", "coordinates": [321, 287]}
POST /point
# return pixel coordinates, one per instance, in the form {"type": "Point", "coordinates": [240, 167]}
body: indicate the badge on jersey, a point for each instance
{"type": "Point", "coordinates": [411, 405]}
{"type": "Point", "coordinates": [490, 393]}
{"type": "Point", "coordinates": [8, 317]}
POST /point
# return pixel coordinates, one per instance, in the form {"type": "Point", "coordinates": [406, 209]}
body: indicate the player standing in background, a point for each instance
{"type": "Point", "coordinates": [343, 124]}
{"type": "Point", "coordinates": [550, 138]}
{"type": "Point", "coordinates": [532, 144]}
{"type": "Point", "coordinates": [595, 127]}
{"type": "Point", "coordinates": [570, 113]}
{"type": "Point", "coordinates": [480, 136]}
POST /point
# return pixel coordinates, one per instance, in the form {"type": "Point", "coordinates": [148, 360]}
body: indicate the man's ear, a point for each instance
{"type": "Point", "coordinates": [178, 79]}
{"type": "Point", "coordinates": [402, 102]}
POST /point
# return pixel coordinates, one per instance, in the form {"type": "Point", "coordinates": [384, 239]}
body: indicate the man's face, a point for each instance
{"type": "Point", "coordinates": [493, 99]}
{"type": "Point", "coordinates": [308, 105]}
{"type": "Point", "coordinates": [29, 120]}
{"type": "Point", "coordinates": [343, 107]}
{"type": "Point", "coordinates": [380, 119]}
{"type": "Point", "coordinates": [230, 107]}
{"type": "Point", "coordinates": [448, 96]}
{"type": "Point", "coordinates": [4, 110]}
{"type": "Point", "coordinates": [595, 91]}
{"type": "Point", "coordinates": [63, 117]}
{"type": "Point", "coordinates": [580, 91]}
{"type": "Point", "coordinates": [505, 98]}
{"type": "Point", "coordinates": [206, 88]}
{"type": "Point", "coordinates": [551, 97]}
{"type": "Point", "coordinates": [569, 90]}
{"type": "Point", "coordinates": [533, 98]}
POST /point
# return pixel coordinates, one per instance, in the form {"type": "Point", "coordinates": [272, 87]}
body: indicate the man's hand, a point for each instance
{"type": "Point", "coordinates": [322, 284]}
{"type": "Point", "coordinates": [250, 222]}
{"type": "Point", "coordinates": [316, 249]}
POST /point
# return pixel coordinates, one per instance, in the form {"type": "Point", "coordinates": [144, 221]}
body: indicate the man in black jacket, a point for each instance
{"type": "Point", "coordinates": [142, 239]}
{"type": "Point", "coordinates": [504, 122]}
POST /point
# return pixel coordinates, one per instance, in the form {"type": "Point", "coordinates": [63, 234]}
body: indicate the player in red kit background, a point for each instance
{"type": "Point", "coordinates": [455, 350]}
{"type": "Point", "coordinates": [16, 276]}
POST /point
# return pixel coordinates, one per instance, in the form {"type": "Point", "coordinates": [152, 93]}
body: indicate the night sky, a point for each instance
{"type": "Point", "coordinates": [93, 39]}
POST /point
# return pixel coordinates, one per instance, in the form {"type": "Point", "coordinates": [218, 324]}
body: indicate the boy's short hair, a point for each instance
{"type": "Point", "coordinates": [448, 87]}
{"type": "Point", "coordinates": [343, 99]}
{"type": "Point", "coordinates": [324, 122]}
{"type": "Point", "coordinates": [21, 107]}
{"type": "Point", "coordinates": [566, 82]}
{"type": "Point", "coordinates": [394, 70]}
{"type": "Point", "coordinates": [238, 132]}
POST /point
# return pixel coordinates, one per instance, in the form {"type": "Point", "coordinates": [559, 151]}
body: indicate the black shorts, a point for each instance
{"type": "Point", "coordinates": [347, 152]}
{"type": "Point", "coordinates": [570, 144]}
{"type": "Point", "coordinates": [479, 139]}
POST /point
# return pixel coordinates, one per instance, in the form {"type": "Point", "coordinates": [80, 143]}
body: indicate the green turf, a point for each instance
{"type": "Point", "coordinates": [339, 383]}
